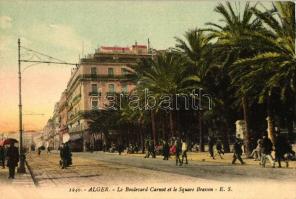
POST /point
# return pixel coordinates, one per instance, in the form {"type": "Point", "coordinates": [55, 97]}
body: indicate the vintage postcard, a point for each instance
{"type": "Point", "coordinates": [147, 99]}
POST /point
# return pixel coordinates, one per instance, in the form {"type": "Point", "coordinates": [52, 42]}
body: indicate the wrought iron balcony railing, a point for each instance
{"type": "Point", "coordinates": [111, 93]}
{"type": "Point", "coordinates": [93, 93]}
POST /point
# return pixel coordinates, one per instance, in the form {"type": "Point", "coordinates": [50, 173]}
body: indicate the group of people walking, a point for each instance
{"type": "Point", "coordinates": [10, 156]}
{"type": "Point", "coordinates": [179, 148]}
{"type": "Point", "coordinates": [211, 143]}
{"type": "Point", "coordinates": [263, 151]}
{"type": "Point", "coordinates": [264, 148]}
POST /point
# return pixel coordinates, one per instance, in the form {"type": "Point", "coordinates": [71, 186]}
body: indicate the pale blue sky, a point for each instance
{"type": "Point", "coordinates": [108, 23]}
{"type": "Point", "coordinates": [61, 28]}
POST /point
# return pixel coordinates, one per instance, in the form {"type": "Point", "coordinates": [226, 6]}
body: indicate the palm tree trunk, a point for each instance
{"type": "Point", "coordinates": [270, 128]}
{"type": "Point", "coordinates": [163, 129]}
{"type": "Point", "coordinates": [141, 125]}
{"type": "Point", "coordinates": [201, 135]}
{"type": "Point", "coordinates": [291, 104]}
{"type": "Point", "coordinates": [128, 139]}
{"type": "Point", "coordinates": [153, 126]}
{"type": "Point", "coordinates": [172, 124]}
{"type": "Point", "coordinates": [290, 126]}
{"type": "Point", "coordinates": [226, 138]}
{"type": "Point", "coordinates": [141, 136]}
{"type": "Point", "coordinates": [270, 125]}
{"type": "Point", "coordinates": [246, 132]}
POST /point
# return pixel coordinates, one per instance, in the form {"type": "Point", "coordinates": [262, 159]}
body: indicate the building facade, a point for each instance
{"type": "Point", "coordinates": [98, 76]}
{"type": "Point", "coordinates": [63, 115]}
{"type": "Point", "coordinates": [56, 125]}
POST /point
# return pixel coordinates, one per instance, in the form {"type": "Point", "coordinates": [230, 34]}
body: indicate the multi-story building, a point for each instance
{"type": "Point", "coordinates": [63, 115]}
{"type": "Point", "coordinates": [27, 137]}
{"type": "Point", "coordinates": [48, 134]}
{"type": "Point", "coordinates": [51, 131]}
{"type": "Point", "coordinates": [38, 140]}
{"type": "Point", "coordinates": [98, 76]}
{"type": "Point", "coordinates": [56, 124]}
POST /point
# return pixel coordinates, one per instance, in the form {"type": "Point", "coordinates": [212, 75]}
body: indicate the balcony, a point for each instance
{"type": "Point", "coordinates": [125, 93]}
{"type": "Point", "coordinates": [76, 99]}
{"type": "Point", "coordinates": [111, 94]}
{"type": "Point", "coordinates": [97, 94]}
{"type": "Point", "coordinates": [77, 128]}
{"type": "Point", "coordinates": [104, 77]}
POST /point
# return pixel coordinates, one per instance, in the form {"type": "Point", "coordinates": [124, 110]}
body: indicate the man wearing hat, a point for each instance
{"type": "Point", "coordinates": [12, 156]}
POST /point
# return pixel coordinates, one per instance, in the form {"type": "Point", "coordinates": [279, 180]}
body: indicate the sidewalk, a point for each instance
{"type": "Point", "coordinates": [24, 180]}
{"type": "Point", "coordinates": [22, 187]}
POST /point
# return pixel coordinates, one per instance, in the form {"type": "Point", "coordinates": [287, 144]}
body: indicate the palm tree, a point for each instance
{"type": "Point", "coordinates": [101, 122]}
{"type": "Point", "coordinates": [196, 49]}
{"type": "Point", "coordinates": [130, 117]}
{"type": "Point", "coordinates": [237, 24]}
{"type": "Point", "coordinates": [276, 59]}
{"type": "Point", "coordinates": [164, 78]}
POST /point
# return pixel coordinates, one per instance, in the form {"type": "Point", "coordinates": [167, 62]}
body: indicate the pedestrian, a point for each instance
{"type": "Point", "coordinates": [120, 148]}
{"type": "Point", "coordinates": [289, 155]}
{"type": "Point", "coordinates": [219, 148]}
{"type": "Point", "coordinates": [152, 149]}
{"type": "Point", "coordinates": [178, 152]}
{"type": "Point", "coordinates": [136, 148]}
{"type": "Point", "coordinates": [63, 161]}
{"type": "Point", "coordinates": [280, 146]}
{"type": "Point", "coordinates": [104, 147]}
{"type": "Point", "coordinates": [2, 156]}
{"type": "Point", "coordinates": [237, 151]}
{"type": "Point", "coordinates": [48, 150]}
{"type": "Point", "coordinates": [92, 147]}
{"type": "Point", "coordinates": [166, 150]}
{"type": "Point", "coordinates": [256, 153]}
{"type": "Point", "coordinates": [68, 154]}
{"type": "Point", "coordinates": [147, 149]}
{"type": "Point", "coordinates": [12, 156]}
{"type": "Point", "coordinates": [184, 152]}
{"type": "Point", "coordinates": [173, 149]}
{"type": "Point", "coordinates": [211, 143]}
{"type": "Point", "coordinates": [266, 151]}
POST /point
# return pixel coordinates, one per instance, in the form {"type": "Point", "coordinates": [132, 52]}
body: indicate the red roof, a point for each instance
{"type": "Point", "coordinates": [114, 48]}
{"type": "Point", "coordinates": [140, 46]}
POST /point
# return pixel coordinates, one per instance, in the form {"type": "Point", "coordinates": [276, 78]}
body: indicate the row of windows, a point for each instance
{"type": "Point", "coordinates": [124, 71]}
{"type": "Point", "coordinates": [111, 88]}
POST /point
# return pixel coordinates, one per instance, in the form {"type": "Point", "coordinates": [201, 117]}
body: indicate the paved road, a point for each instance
{"type": "Point", "coordinates": [204, 170]}
{"type": "Point", "coordinates": [87, 169]}
{"type": "Point", "coordinates": [119, 172]}
{"type": "Point", "coordinates": [106, 167]}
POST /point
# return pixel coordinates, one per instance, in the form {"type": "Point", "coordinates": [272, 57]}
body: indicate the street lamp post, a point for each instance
{"type": "Point", "coordinates": [21, 168]}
